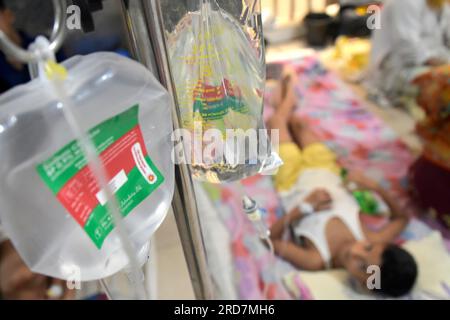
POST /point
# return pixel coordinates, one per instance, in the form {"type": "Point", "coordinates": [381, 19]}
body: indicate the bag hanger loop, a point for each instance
{"type": "Point", "coordinates": [57, 37]}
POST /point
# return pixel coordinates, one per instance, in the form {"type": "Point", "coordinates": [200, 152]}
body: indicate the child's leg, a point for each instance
{"type": "Point", "coordinates": [280, 123]}
{"type": "Point", "coordinates": [283, 111]}
{"type": "Point", "coordinates": [280, 92]}
{"type": "Point", "coordinates": [291, 129]}
{"type": "Point", "coordinates": [315, 153]}
{"type": "Point", "coordinates": [289, 151]}
{"type": "Point", "coordinates": [302, 133]}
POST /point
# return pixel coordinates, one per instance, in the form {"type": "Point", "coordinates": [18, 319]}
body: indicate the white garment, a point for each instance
{"type": "Point", "coordinates": [313, 227]}
{"type": "Point", "coordinates": [412, 32]}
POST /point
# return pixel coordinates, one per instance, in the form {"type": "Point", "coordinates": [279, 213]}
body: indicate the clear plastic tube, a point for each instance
{"type": "Point", "coordinates": [106, 289]}
{"type": "Point", "coordinates": [254, 215]}
{"type": "Point", "coordinates": [272, 262]}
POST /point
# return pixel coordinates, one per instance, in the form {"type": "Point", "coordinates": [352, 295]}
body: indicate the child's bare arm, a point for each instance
{"type": "Point", "coordinates": [398, 220]}
{"type": "Point", "coordinates": [299, 257]}
{"type": "Point", "coordinates": [278, 228]}
{"type": "Point", "coordinates": [397, 223]}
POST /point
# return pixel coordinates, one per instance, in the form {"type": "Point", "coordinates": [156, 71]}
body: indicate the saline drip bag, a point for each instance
{"type": "Point", "coordinates": [51, 205]}
{"type": "Point", "coordinates": [219, 74]}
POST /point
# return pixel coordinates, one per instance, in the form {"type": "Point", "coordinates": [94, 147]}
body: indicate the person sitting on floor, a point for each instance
{"type": "Point", "coordinates": [324, 216]}
{"type": "Point", "coordinates": [414, 37]}
{"type": "Point", "coordinates": [429, 176]}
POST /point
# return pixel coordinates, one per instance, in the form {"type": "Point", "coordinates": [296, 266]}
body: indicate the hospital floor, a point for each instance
{"type": "Point", "coordinates": [173, 280]}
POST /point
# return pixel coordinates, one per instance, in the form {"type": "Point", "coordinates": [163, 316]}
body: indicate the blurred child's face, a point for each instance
{"type": "Point", "coordinates": [359, 256]}
{"type": "Point", "coordinates": [7, 19]}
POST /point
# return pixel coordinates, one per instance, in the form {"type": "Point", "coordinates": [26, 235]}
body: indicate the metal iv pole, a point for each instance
{"type": "Point", "coordinates": [144, 22]}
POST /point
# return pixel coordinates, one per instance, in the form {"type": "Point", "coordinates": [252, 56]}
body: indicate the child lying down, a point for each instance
{"type": "Point", "coordinates": [324, 217]}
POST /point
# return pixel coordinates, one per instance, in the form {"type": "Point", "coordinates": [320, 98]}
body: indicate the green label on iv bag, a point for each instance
{"type": "Point", "coordinates": [132, 174]}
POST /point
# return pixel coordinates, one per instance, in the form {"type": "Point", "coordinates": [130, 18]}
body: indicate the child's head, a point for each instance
{"type": "Point", "coordinates": [398, 269]}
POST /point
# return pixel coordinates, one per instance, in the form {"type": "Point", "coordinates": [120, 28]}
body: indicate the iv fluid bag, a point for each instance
{"type": "Point", "coordinates": [50, 203]}
{"type": "Point", "coordinates": [219, 73]}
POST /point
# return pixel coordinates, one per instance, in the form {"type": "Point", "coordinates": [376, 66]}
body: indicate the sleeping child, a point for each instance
{"type": "Point", "coordinates": [323, 215]}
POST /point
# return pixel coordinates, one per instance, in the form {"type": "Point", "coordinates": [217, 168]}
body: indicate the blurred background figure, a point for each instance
{"type": "Point", "coordinates": [410, 60]}
{"type": "Point", "coordinates": [414, 36]}
{"type": "Point", "coordinates": [12, 72]}
{"type": "Point", "coordinates": [18, 282]}
{"type": "Point", "coordinates": [411, 69]}
{"type": "Point", "coordinates": [430, 175]}
{"type": "Point", "coordinates": [20, 23]}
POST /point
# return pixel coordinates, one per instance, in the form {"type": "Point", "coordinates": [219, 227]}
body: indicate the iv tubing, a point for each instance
{"type": "Point", "coordinates": [105, 289]}
{"type": "Point", "coordinates": [269, 242]}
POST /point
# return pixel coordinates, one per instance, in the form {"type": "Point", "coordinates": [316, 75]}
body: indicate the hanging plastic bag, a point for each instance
{"type": "Point", "coordinates": [51, 205]}
{"type": "Point", "coordinates": [219, 73]}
